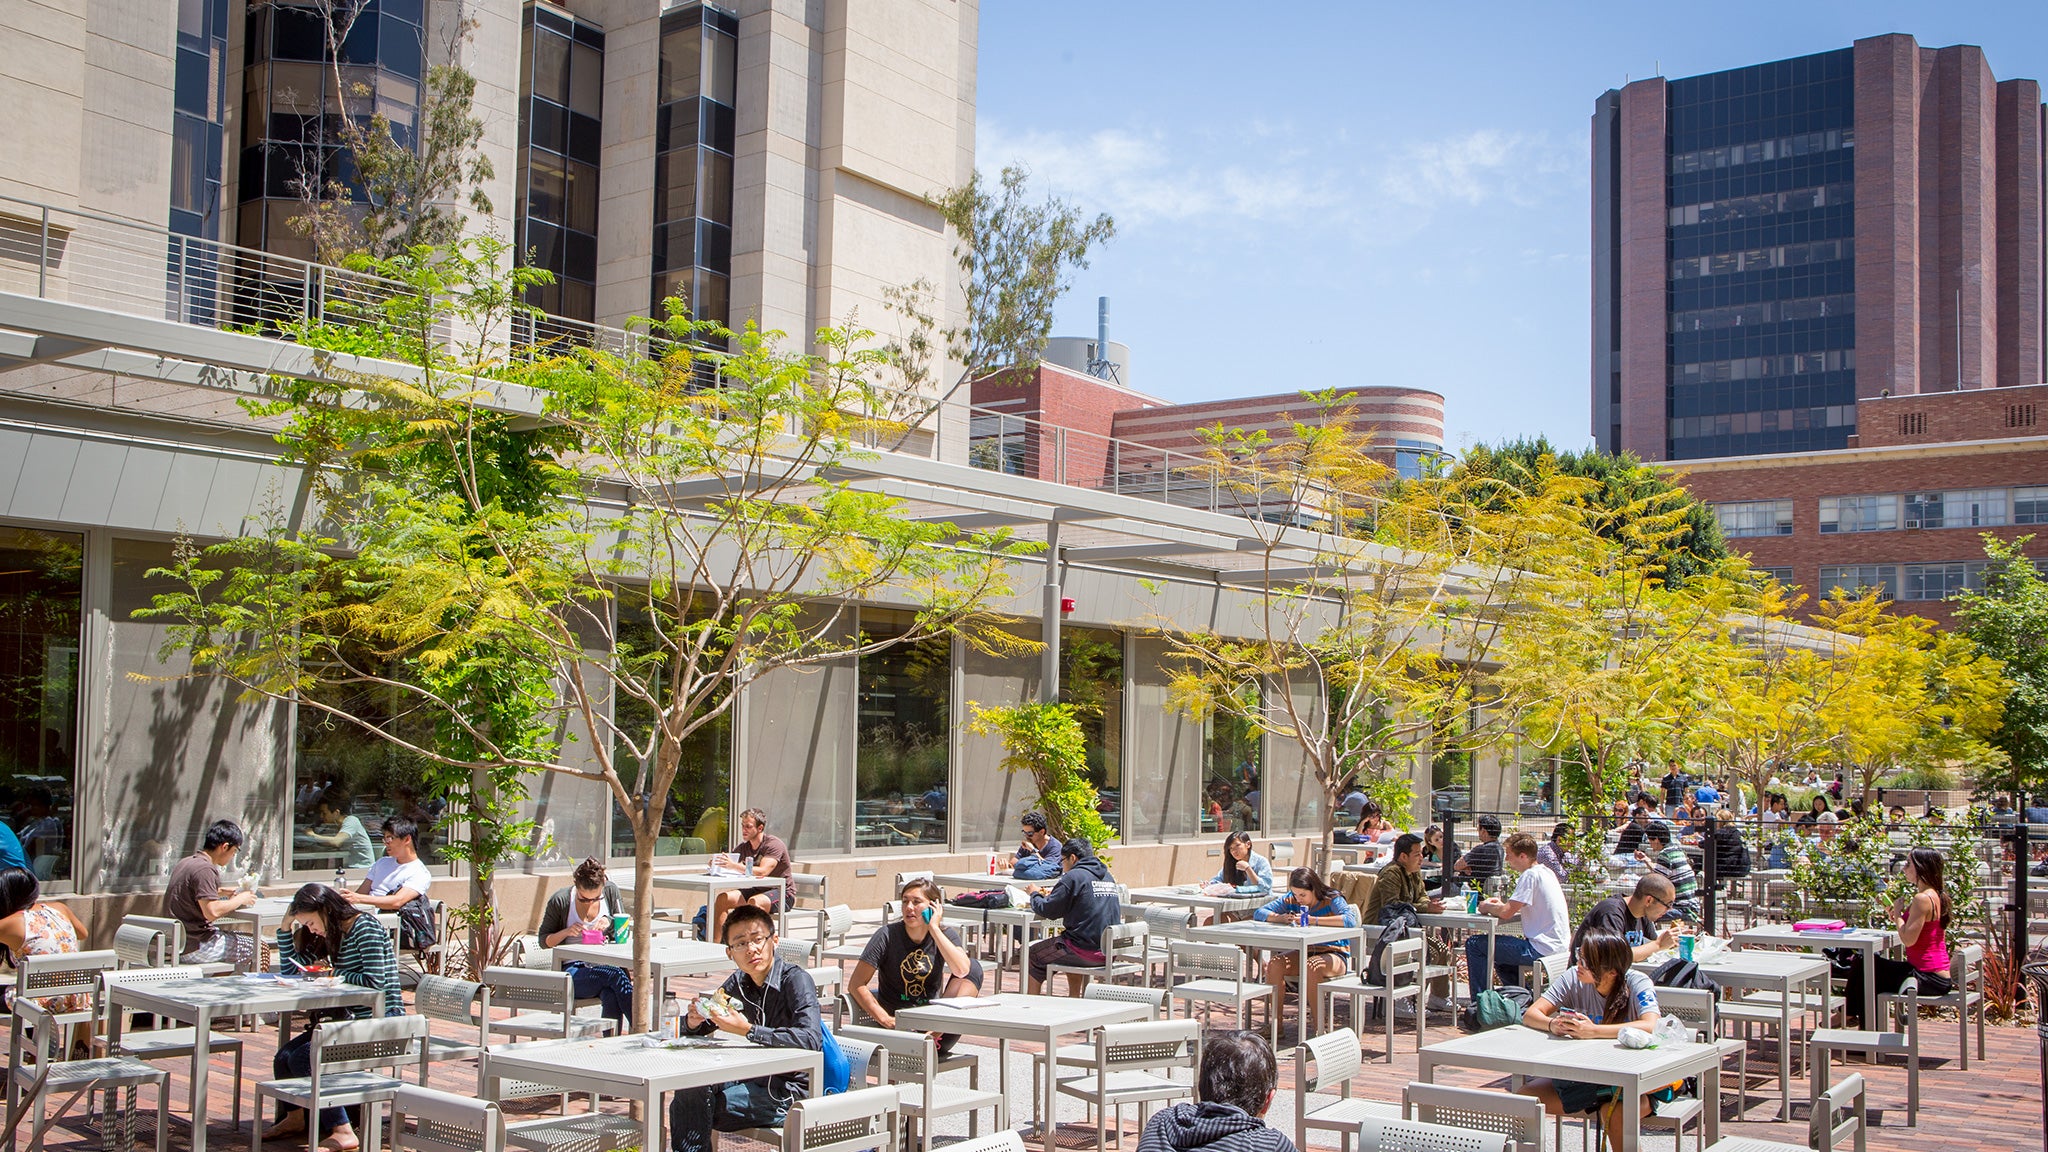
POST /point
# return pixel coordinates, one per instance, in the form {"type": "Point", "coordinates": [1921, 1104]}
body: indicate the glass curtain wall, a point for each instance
{"type": "Point", "coordinates": [561, 88]}
{"type": "Point", "coordinates": [198, 129]}
{"type": "Point", "coordinates": [1092, 677]}
{"type": "Point", "coordinates": [697, 817]}
{"type": "Point", "coordinates": [1233, 761]}
{"type": "Point", "coordinates": [41, 597]}
{"type": "Point", "coordinates": [295, 90]}
{"type": "Point", "coordinates": [903, 761]}
{"type": "Point", "coordinates": [348, 780]}
{"type": "Point", "coordinates": [693, 141]}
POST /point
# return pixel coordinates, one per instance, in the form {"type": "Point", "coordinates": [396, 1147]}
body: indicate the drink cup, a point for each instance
{"type": "Point", "coordinates": [620, 924]}
{"type": "Point", "coordinates": [1685, 945]}
{"type": "Point", "coordinates": [1471, 901]}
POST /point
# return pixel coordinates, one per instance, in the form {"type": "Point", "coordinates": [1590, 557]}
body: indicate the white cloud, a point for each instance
{"type": "Point", "coordinates": [1140, 178]}
{"type": "Point", "coordinates": [1473, 168]}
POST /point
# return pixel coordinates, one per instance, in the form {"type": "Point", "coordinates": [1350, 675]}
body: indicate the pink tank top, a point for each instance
{"type": "Point", "coordinates": [1930, 952]}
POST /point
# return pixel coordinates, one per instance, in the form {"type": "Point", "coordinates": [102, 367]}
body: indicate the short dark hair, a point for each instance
{"type": "Point", "coordinates": [221, 832]}
{"type": "Point", "coordinates": [1659, 831]}
{"type": "Point", "coordinates": [1405, 843]}
{"type": "Point", "coordinates": [1239, 1070]}
{"type": "Point", "coordinates": [1490, 824]}
{"type": "Point", "coordinates": [19, 889]}
{"type": "Point", "coordinates": [403, 827]}
{"type": "Point", "coordinates": [745, 914]}
{"type": "Point", "coordinates": [922, 884]}
{"type": "Point", "coordinates": [1521, 844]}
{"type": "Point", "coordinates": [1034, 821]}
{"type": "Point", "coordinates": [1078, 847]}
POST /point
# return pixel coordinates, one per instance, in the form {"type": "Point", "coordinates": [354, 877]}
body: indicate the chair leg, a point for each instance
{"type": "Point", "coordinates": [238, 1087]}
{"type": "Point", "coordinates": [163, 1112]}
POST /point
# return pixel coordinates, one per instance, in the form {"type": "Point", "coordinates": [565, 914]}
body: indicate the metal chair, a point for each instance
{"type": "Point", "coordinates": [1082, 1056]}
{"type": "Point", "coordinates": [1123, 954]}
{"type": "Point", "coordinates": [444, 1122]}
{"type": "Point", "coordinates": [543, 1005]}
{"type": "Point", "coordinates": [458, 1002]}
{"type": "Point", "coordinates": [1128, 1058]}
{"type": "Point", "coordinates": [1393, 1134]}
{"type": "Point", "coordinates": [912, 1063]}
{"type": "Point", "coordinates": [867, 1118]}
{"type": "Point", "coordinates": [1402, 964]}
{"type": "Point", "coordinates": [70, 974]}
{"type": "Point", "coordinates": [168, 1043]}
{"type": "Point", "coordinates": [1847, 1101]}
{"type": "Point", "coordinates": [1519, 1118]}
{"type": "Point", "coordinates": [1164, 924]}
{"type": "Point", "coordinates": [1214, 974]}
{"type": "Point", "coordinates": [833, 947]}
{"type": "Point", "coordinates": [1324, 1064]}
{"type": "Point", "coordinates": [1966, 969]}
{"type": "Point", "coordinates": [140, 946]}
{"type": "Point", "coordinates": [1696, 1008]}
{"type": "Point", "coordinates": [1005, 1141]}
{"type": "Point", "coordinates": [801, 954]}
{"type": "Point", "coordinates": [37, 1070]}
{"type": "Point", "coordinates": [346, 1057]}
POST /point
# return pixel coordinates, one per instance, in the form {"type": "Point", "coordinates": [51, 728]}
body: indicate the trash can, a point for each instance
{"type": "Point", "coordinates": [2036, 971]}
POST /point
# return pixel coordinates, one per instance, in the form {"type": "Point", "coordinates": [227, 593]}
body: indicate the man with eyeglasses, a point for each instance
{"type": "Point", "coordinates": [777, 1008]}
{"type": "Point", "coordinates": [1634, 918]}
{"type": "Point", "coordinates": [1038, 854]}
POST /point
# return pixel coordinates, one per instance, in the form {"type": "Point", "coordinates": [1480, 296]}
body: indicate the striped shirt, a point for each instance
{"type": "Point", "coordinates": [365, 959]}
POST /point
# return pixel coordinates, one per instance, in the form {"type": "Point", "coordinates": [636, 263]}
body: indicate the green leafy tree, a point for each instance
{"type": "Point", "coordinates": [2008, 621]}
{"type": "Point", "coordinates": [1624, 489]}
{"type": "Point", "coordinates": [1045, 741]}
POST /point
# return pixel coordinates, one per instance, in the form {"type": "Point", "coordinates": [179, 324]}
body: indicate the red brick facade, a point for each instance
{"type": "Point", "coordinates": [1967, 445]}
{"type": "Point", "coordinates": [1644, 266]}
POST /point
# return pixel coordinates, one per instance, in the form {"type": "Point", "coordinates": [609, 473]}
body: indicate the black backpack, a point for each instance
{"type": "Point", "coordinates": [1398, 919]}
{"type": "Point", "coordinates": [416, 928]}
{"type": "Point", "coordinates": [1681, 973]}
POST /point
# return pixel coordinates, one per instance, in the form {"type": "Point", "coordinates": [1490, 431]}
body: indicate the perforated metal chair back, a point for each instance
{"type": "Point", "coordinates": [860, 1060]}
{"type": "Point", "coordinates": [172, 928]}
{"type": "Point", "coordinates": [360, 1045]}
{"type": "Point", "coordinates": [1127, 994]}
{"type": "Point", "coordinates": [848, 1122]}
{"type": "Point", "coordinates": [1148, 1044]}
{"type": "Point", "coordinates": [444, 1122]}
{"type": "Point", "coordinates": [1551, 969]}
{"type": "Point", "coordinates": [837, 922]}
{"type": "Point", "coordinates": [449, 999]}
{"type": "Point", "coordinates": [148, 976]}
{"type": "Point", "coordinates": [1519, 1118]}
{"type": "Point", "coordinates": [1187, 959]}
{"type": "Point", "coordinates": [139, 946]}
{"type": "Point", "coordinates": [1386, 1134]}
{"type": "Point", "coordinates": [531, 988]}
{"type": "Point", "coordinates": [1401, 963]}
{"type": "Point", "coordinates": [903, 878]}
{"type": "Point", "coordinates": [797, 952]}
{"type": "Point", "coordinates": [1168, 922]}
{"type": "Point", "coordinates": [65, 974]}
{"type": "Point", "coordinates": [1005, 1141]}
{"type": "Point", "coordinates": [1335, 1058]}
{"type": "Point", "coordinates": [807, 886]}
{"type": "Point", "coordinates": [1693, 1005]}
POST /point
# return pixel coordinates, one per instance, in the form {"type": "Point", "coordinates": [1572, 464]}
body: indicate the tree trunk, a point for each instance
{"type": "Point", "coordinates": [645, 1006]}
{"type": "Point", "coordinates": [483, 903]}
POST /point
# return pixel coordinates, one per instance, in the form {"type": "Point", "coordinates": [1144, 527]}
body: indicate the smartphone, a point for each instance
{"type": "Point", "coordinates": [927, 914]}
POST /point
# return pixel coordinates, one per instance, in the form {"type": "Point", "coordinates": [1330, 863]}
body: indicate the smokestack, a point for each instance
{"type": "Point", "coordinates": [1099, 365]}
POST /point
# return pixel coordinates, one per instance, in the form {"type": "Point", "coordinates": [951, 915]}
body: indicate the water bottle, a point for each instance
{"type": "Point", "coordinates": [341, 879]}
{"type": "Point", "coordinates": [671, 1018]}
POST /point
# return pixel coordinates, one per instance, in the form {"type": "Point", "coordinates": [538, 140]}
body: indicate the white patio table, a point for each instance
{"type": "Point", "coordinates": [708, 887]}
{"type": "Point", "coordinates": [642, 1067]}
{"type": "Point", "coordinates": [199, 1002]}
{"type": "Point", "coordinates": [665, 958]}
{"type": "Point", "coordinates": [1780, 972]}
{"type": "Point", "coordinates": [1016, 1016]}
{"type": "Point", "coordinates": [1519, 1051]}
{"type": "Point", "coordinates": [1868, 942]}
{"type": "Point", "coordinates": [1270, 937]}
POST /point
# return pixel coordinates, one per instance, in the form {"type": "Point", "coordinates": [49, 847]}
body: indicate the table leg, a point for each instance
{"type": "Point", "coordinates": [1785, 1051]}
{"type": "Point", "coordinates": [650, 1121]}
{"type": "Point", "coordinates": [202, 1032]}
{"type": "Point", "coordinates": [1048, 1116]}
{"type": "Point", "coordinates": [1870, 985]}
{"type": "Point", "coordinates": [1302, 1005]}
{"type": "Point", "coordinates": [1710, 1091]}
{"type": "Point", "coordinates": [1630, 1116]}
{"type": "Point", "coordinates": [1003, 1067]}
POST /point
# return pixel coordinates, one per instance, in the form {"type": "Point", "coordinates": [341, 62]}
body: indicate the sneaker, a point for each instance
{"type": "Point", "coordinates": [1404, 1010]}
{"type": "Point", "coordinates": [1443, 1004]}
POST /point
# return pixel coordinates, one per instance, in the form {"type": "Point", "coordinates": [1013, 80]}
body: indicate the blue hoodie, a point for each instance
{"type": "Point", "coordinates": [1084, 901]}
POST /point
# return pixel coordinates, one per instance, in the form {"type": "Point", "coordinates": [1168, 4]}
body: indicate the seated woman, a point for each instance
{"type": "Point", "coordinates": [913, 961]}
{"type": "Point", "coordinates": [590, 900]}
{"type": "Point", "coordinates": [29, 927]}
{"type": "Point", "coordinates": [328, 930]}
{"type": "Point", "coordinates": [1242, 867]}
{"type": "Point", "coordinates": [1308, 901]}
{"type": "Point", "coordinates": [1923, 933]}
{"type": "Point", "coordinates": [1594, 1001]}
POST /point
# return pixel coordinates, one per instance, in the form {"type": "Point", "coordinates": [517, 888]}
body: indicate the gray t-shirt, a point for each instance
{"type": "Point", "coordinates": [1586, 1000]}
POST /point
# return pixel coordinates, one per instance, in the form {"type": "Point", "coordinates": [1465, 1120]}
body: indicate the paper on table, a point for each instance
{"type": "Point", "coordinates": [956, 1001]}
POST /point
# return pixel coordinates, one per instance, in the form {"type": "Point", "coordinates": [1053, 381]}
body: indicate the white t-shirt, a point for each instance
{"type": "Point", "coordinates": [388, 876]}
{"type": "Point", "coordinates": [1546, 918]}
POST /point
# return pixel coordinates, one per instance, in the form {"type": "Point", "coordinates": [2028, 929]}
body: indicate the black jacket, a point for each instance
{"type": "Point", "coordinates": [1085, 901]}
{"type": "Point", "coordinates": [784, 1011]}
{"type": "Point", "coordinates": [1210, 1127]}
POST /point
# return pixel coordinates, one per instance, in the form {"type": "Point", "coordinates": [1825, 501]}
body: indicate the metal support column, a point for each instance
{"type": "Point", "coordinates": [1049, 668]}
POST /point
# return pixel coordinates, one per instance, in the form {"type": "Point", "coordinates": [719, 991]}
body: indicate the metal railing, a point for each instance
{"type": "Point", "coordinates": [140, 269]}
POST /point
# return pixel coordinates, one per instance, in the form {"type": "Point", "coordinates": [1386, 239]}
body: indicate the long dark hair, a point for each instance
{"type": "Point", "coordinates": [19, 889]}
{"type": "Point", "coordinates": [1605, 953]}
{"type": "Point", "coordinates": [335, 912]}
{"type": "Point", "coordinates": [1237, 872]}
{"type": "Point", "coordinates": [1927, 865]}
{"type": "Point", "coordinates": [1307, 880]}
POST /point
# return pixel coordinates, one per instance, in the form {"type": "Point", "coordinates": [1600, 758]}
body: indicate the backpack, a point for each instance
{"type": "Point", "coordinates": [838, 1070]}
{"type": "Point", "coordinates": [1398, 919]}
{"type": "Point", "coordinates": [416, 928]}
{"type": "Point", "coordinates": [1497, 1008]}
{"type": "Point", "coordinates": [1681, 973]}
{"type": "Point", "coordinates": [993, 898]}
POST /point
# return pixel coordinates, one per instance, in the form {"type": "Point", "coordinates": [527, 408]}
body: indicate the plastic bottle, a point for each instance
{"type": "Point", "coordinates": [671, 1017]}
{"type": "Point", "coordinates": [991, 863]}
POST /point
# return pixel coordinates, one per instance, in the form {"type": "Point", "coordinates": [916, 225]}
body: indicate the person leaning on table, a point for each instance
{"type": "Point", "coordinates": [1308, 902]}
{"type": "Point", "coordinates": [1634, 918]}
{"type": "Point", "coordinates": [1400, 882]}
{"type": "Point", "coordinates": [1538, 903]}
{"type": "Point", "coordinates": [192, 897]}
{"type": "Point", "coordinates": [1038, 853]}
{"type": "Point", "coordinates": [1085, 903]}
{"type": "Point", "coordinates": [591, 898]}
{"type": "Point", "coordinates": [324, 928]}
{"type": "Point", "coordinates": [1593, 1001]}
{"type": "Point", "coordinates": [778, 1009]}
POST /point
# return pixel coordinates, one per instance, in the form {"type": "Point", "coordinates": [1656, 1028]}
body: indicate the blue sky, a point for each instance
{"type": "Point", "coordinates": [1314, 194]}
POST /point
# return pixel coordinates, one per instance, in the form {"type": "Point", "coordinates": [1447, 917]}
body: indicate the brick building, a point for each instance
{"type": "Point", "coordinates": [1903, 507]}
{"type": "Point", "coordinates": [1776, 246]}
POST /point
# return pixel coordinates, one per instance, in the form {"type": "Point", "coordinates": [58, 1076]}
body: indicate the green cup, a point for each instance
{"type": "Point", "coordinates": [1685, 946]}
{"type": "Point", "coordinates": [620, 923]}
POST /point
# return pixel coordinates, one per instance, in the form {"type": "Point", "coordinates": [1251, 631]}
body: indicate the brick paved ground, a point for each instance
{"type": "Point", "coordinates": [1996, 1105]}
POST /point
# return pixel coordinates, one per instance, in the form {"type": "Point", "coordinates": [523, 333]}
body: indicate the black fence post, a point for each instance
{"type": "Point", "coordinates": [1710, 872]}
{"type": "Point", "coordinates": [1449, 885]}
{"type": "Point", "coordinates": [2021, 862]}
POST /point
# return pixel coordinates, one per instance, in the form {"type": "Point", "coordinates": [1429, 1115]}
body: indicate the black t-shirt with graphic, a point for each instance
{"type": "Point", "coordinates": [909, 973]}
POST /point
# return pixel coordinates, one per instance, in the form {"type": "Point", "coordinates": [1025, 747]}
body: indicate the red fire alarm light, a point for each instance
{"type": "Point", "coordinates": [1066, 605]}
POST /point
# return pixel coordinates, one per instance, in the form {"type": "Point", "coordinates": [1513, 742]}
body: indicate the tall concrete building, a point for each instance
{"type": "Point", "coordinates": [1774, 245]}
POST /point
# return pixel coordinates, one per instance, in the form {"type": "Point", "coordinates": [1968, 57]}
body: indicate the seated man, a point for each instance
{"type": "Point", "coordinates": [917, 960]}
{"type": "Point", "coordinates": [1483, 862]}
{"type": "Point", "coordinates": [1038, 855]}
{"type": "Point", "coordinates": [1401, 883]}
{"type": "Point", "coordinates": [1236, 1083]}
{"type": "Point", "coordinates": [1538, 903]}
{"type": "Point", "coordinates": [778, 1008]}
{"type": "Point", "coordinates": [591, 899]}
{"type": "Point", "coordinates": [397, 879]}
{"type": "Point", "coordinates": [764, 856]}
{"type": "Point", "coordinates": [1634, 918]}
{"type": "Point", "coordinates": [193, 899]}
{"type": "Point", "coordinates": [1671, 860]}
{"type": "Point", "coordinates": [1085, 903]}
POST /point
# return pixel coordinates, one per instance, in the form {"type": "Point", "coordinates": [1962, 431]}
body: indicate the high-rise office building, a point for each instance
{"type": "Point", "coordinates": [1774, 244]}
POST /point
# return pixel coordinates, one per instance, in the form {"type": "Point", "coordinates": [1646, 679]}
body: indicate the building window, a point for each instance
{"type": "Point", "coordinates": [348, 781]}
{"type": "Point", "coordinates": [904, 761]}
{"type": "Point", "coordinates": [693, 142]}
{"type": "Point", "coordinates": [697, 819]}
{"type": "Point", "coordinates": [1092, 677]}
{"type": "Point", "coordinates": [1755, 518]}
{"type": "Point", "coordinates": [1976, 508]}
{"type": "Point", "coordinates": [198, 135]}
{"type": "Point", "coordinates": [41, 588]}
{"type": "Point", "coordinates": [1856, 578]}
{"type": "Point", "coordinates": [1231, 768]}
{"type": "Point", "coordinates": [1858, 513]}
{"type": "Point", "coordinates": [561, 83]}
{"type": "Point", "coordinates": [1940, 581]}
{"type": "Point", "coordinates": [1781, 575]}
{"type": "Point", "coordinates": [2030, 505]}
